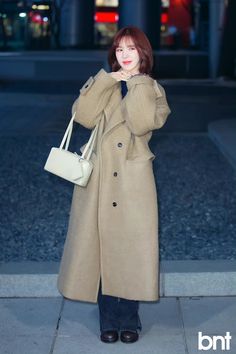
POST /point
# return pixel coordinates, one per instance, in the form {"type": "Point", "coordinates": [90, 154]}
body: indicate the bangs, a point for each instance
{"type": "Point", "coordinates": [126, 38]}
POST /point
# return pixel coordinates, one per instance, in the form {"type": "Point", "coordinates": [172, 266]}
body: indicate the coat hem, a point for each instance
{"type": "Point", "coordinates": [76, 298]}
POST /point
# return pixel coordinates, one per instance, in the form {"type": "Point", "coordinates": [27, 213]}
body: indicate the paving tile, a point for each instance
{"type": "Point", "coordinates": [25, 344]}
{"type": "Point", "coordinates": [147, 344]}
{"type": "Point", "coordinates": [210, 315]}
{"type": "Point", "coordinates": [79, 330]}
{"type": "Point", "coordinates": [161, 316]}
{"type": "Point", "coordinates": [81, 318]}
{"type": "Point", "coordinates": [28, 316]}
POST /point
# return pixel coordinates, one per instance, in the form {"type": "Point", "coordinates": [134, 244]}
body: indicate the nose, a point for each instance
{"type": "Point", "coordinates": [124, 53]}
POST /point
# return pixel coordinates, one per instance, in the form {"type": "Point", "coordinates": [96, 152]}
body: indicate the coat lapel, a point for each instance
{"type": "Point", "coordinates": [113, 111]}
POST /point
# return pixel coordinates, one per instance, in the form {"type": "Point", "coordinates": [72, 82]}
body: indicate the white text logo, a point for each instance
{"type": "Point", "coordinates": [213, 342]}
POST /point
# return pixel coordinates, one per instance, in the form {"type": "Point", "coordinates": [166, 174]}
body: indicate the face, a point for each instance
{"type": "Point", "coordinates": [127, 55]}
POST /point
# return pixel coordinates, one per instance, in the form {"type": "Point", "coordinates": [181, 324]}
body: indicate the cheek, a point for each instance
{"type": "Point", "coordinates": [137, 57]}
{"type": "Point", "coordinates": [118, 57]}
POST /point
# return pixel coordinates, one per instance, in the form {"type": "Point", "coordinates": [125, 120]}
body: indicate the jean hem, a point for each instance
{"type": "Point", "coordinates": [109, 329]}
{"type": "Point", "coordinates": [130, 329]}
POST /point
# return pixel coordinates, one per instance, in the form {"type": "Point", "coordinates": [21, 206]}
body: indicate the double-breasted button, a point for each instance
{"type": "Point", "coordinates": [115, 174]}
{"type": "Point", "coordinates": [119, 145]}
{"type": "Point", "coordinates": [114, 204]}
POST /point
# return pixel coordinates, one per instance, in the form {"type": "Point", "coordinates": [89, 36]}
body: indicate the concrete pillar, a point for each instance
{"type": "Point", "coordinates": [77, 23]}
{"type": "Point", "coordinates": [215, 32]}
{"type": "Point", "coordinates": [144, 14]}
{"type": "Point", "coordinates": [227, 66]}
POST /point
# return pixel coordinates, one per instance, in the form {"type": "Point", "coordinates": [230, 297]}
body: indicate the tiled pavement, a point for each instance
{"type": "Point", "coordinates": [170, 326]}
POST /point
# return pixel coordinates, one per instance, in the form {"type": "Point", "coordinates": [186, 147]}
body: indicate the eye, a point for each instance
{"type": "Point", "coordinates": [118, 49]}
{"type": "Point", "coordinates": [132, 48]}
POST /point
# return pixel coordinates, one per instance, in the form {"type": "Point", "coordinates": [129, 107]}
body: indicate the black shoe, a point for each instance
{"type": "Point", "coordinates": [109, 336]}
{"type": "Point", "coordinates": [129, 336]}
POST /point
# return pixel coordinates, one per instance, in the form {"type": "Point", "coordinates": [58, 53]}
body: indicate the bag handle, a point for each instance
{"type": "Point", "coordinates": [67, 135]}
{"type": "Point", "coordinates": [90, 144]}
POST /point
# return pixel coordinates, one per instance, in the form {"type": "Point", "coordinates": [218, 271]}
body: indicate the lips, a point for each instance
{"type": "Point", "coordinates": [127, 62]}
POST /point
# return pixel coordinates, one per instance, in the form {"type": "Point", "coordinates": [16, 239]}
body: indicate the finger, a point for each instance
{"type": "Point", "coordinates": [125, 76]}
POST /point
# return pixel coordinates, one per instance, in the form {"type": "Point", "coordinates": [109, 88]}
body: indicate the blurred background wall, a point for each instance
{"type": "Point", "coordinates": [199, 33]}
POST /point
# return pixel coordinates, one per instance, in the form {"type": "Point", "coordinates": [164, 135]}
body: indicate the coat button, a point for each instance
{"type": "Point", "coordinates": [119, 145]}
{"type": "Point", "coordinates": [115, 174]}
{"type": "Point", "coordinates": [114, 204]}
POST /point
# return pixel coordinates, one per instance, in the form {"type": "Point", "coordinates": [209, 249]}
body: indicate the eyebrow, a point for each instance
{"type": "Point", "coordinates": [131, 45]}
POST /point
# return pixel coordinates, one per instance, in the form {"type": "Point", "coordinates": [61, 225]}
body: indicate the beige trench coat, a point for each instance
{"type": "Point", "coordinates": [113, 224]}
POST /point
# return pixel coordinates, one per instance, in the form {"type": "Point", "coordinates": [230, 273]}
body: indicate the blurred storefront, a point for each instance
{"type": "Point", "coordinates": [13, 24]}
{"type": "Point", "coordinates": [25, 25]}
{"type": "Point", "coordinates": [184, 24]}
{"type": "Point", "coordinates": [105, 22]}
{"type": "Point", "coordinates": [39, 19]}
{"type": "Point", "coordinates": [37, 24]}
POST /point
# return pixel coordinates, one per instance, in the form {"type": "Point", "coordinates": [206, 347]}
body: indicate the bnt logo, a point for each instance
{"type": "Point", "coordinates": [212, 341]}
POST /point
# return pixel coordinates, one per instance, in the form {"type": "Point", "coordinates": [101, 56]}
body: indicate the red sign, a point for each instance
{"type": "Point", "coordinates": [112, 17]}
{"type": "Point", "coordinates": [164, 18]}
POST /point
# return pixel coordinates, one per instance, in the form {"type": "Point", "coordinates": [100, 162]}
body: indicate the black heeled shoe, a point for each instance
{"type": "Point", "coordinates": [129, 336]}
{"type": "Point", "coordinates": [109, 336]}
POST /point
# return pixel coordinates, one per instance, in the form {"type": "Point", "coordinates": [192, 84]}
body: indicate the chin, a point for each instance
{"type": "Point", "coordinates": [127, 69]}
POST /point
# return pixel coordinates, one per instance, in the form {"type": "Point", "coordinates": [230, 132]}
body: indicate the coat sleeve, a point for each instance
{"type": "Point", "coordinates": [145, 104]}
{"type": "Point", "coordinates": [94, 96]}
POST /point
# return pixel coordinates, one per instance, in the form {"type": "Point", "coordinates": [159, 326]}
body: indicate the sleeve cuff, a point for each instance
{"type": "Point", "coordinates": [102, 80]}
{"type": "Point", "coordinates": [139, 79]}
{"type": "Point", "coordinates": [144, 79]}
{"type": "Point", "coordinates": [102, 74]}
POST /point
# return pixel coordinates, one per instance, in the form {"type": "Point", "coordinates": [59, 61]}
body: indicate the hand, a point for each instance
{"type": "Point", "coordinates": [121, 75]}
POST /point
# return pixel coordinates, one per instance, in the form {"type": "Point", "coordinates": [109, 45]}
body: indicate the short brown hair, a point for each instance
{"type": "Point", "coordinates": [142, 44]}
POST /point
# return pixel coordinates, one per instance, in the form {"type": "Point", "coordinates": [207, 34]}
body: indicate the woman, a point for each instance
{"type": "Point", "coordinates": [111, 250]}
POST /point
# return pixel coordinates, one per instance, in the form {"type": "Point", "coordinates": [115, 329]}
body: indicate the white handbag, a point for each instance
{"type": "Point", "coordinates": [71, 166]}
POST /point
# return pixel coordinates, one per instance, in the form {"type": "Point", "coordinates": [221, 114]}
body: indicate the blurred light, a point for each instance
{"type": "Point", "coordinates": [106, 3]}
{"type": "Point", "coordinates": [40, 7]}
{"type": "Point", "coordinates": [164, 18]}
{"type": "Point", "coordinates": [106, 17]}
{"type": "Point", "coordinates": [22, 14]}
{"type": "Point", "coordinates": [165, 3]}
{"type": "Point", "coordinates": [36, 18]}
{"type": "Point", "coordinates": [43, 7]}
{"type": "Point", "coordinates": [45, 19]}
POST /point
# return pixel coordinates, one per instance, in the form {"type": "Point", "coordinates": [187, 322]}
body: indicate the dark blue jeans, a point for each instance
{"type": "Point", "coordinates": [118, 313]}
